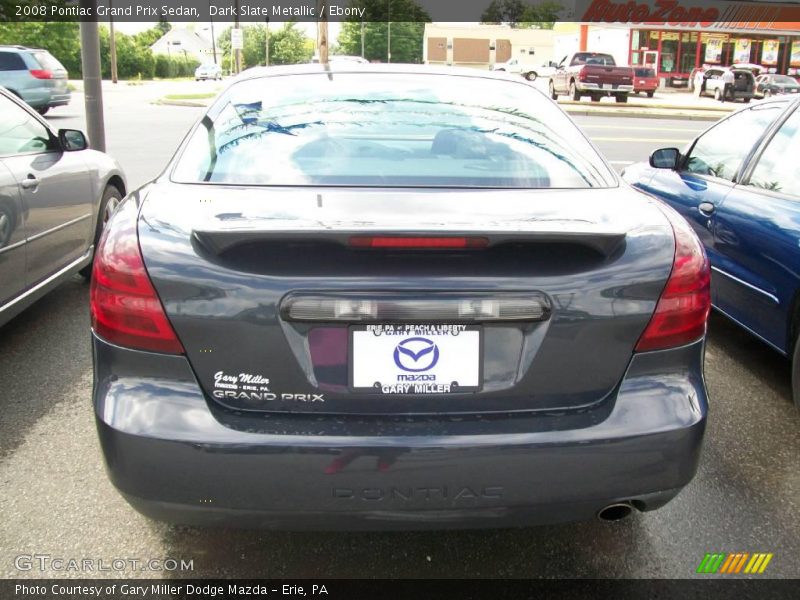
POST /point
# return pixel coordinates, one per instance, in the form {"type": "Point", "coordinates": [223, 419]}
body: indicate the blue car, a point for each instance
{"type": "Point", "coordinates": [738, 185]}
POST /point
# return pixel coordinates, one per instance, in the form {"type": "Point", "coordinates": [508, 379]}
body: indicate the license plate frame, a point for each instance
{"type": "Point", "coordinates": [405, 331]}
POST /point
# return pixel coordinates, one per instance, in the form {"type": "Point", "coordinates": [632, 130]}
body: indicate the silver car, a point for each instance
{"type": "Point", "coordinates": [208, 71]}
{"type": "Point", "coordinates": [55, 197]}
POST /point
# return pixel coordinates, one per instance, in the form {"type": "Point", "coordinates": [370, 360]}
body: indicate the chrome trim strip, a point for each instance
{"type": "Point", "coordinates": [41, 234]}
{"type": "Point", "coordinates": [12, 246]}
{"type": "Point", "coordinates": [45, 282]}
{"type": "Point", "coordinates": [772, 297]}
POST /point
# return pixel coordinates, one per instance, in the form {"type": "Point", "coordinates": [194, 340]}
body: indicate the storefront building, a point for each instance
{"type": "Point", "coordinates": [675, 53]}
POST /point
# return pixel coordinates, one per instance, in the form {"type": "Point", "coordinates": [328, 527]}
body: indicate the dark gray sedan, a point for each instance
{"type": "Point", "coordinates": [55, 196]}
{"type": "Point", "coordinates": [396, 297]}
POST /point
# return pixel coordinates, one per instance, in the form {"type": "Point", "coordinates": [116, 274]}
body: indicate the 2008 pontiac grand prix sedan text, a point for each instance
{"type": "Point", "coordinates": [395, 297]}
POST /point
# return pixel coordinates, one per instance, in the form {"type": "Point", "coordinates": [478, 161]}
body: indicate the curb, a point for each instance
{"type": "Point", "coordinates": [190, 103]}
{"type": "Point", "coordinates": [633, 114]}
{"type": "Point", "coordinates": [635, 105]}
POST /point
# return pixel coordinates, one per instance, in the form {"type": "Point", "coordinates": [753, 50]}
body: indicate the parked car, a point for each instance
{"type": "Point", "coordinates": [526, 68]}
{"type": "Point", "coordinates": [645, 80]}
{"type": "Point", "coordinates": [743, 201]}
{"type": "Point", "coordinates": [396, 324]}
{"type": "Point", "coordinates": [744, 84]}
{"type": "Point", "coordinates": [208, 71]}
{"type": "Point", "coordinates": [55, 196]}
{"type": "Point", "coordinates": [772, 85]}
{"type": "Point", "coordinates": [34, 75]}
{"type": "Point", "coordinates": [592, 74]}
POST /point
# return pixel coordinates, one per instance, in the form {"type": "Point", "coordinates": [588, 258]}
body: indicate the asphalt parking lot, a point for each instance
{"type": "Point", "coordinates": [56, 500]}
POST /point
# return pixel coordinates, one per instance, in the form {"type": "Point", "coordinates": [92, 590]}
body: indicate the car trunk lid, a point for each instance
{"type": "Point", "coordinates": [550, 302]}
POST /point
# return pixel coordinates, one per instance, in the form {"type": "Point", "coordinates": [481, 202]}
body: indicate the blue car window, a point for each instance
{"type": "Point", "coordinates": [777, 170]}
{"type": "Point", "coordinates": [720, 151]}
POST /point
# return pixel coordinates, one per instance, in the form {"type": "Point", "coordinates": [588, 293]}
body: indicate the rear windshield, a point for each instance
{"type": "Point", "coordinates": [645, 72]}
{"type": "Point", "coordinates": [48, 61]}
{"type": "Point", "coordinates": [378, 129]}
{"type": "Point", "coordinates": [592, 58]}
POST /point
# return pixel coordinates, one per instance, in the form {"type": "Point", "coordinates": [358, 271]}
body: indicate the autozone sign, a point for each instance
{"type": "Point", "coordinates": [747, 15]}
{"type": "Point", "coordinates": [657, 12]}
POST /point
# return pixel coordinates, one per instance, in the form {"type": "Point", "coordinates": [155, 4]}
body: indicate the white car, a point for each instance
{"type": "Point", "coordinates": [208, 71]}
{"type": "Point", "coordinates": [527, 70]}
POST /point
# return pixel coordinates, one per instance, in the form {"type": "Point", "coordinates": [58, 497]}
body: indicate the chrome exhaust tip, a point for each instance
{"type": "Point", "coordinates": [615, 512]}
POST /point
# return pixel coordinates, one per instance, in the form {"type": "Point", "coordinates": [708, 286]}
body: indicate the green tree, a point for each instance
{"type": "Point", "coordinates": [287, 46]}
{"type": "Point", "coordinates": [61, 39]}
{"type": "Point", "coordinates": [542, 14]}
{"type": "Point", "coordinates": [407, 31]}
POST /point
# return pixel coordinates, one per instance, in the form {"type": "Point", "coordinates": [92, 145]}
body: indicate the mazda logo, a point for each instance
{"type": "Point", "coordinates": [416, 354]}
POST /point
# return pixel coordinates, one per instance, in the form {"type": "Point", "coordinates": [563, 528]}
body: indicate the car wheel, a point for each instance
{"type": "Point", "coordinates": [111, 199]}
{"type": "Point", "coordinates": [622, 98]}
{"type": "Point", "coordinates": [746, 100]}
{"type": "Point", "coordinates": [42, 110]}
{"type": "Point", "coordinates": [650, 94]}
{"type": "Point", "coordinates": [717, 94]}
{"type": "Point", "coordinates": [767, 93]}
{"type": "Point", "coordinates": [552, 87]}
{"type": "Point", "coordinates": [573, 91]}
{"type": "Point", "coordinates": [796, 374]}
{"type": "Point", "coordinates": [531, 76]}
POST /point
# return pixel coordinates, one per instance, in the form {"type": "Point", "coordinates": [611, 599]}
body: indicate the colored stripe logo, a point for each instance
{"type": "Point", "coordinates": [735, 563]}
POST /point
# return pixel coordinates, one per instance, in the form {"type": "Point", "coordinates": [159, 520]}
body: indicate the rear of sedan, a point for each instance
{"type": "Point", "coordinates": [380, 298]}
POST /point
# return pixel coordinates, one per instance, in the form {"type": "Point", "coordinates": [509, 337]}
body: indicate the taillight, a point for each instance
{"type": "Point", "coordinates": [125, 307]}
{"type": "Point", "coordinates": [582, 75]}
{"type": "Point", "coordinates": [41, 73]}
{"type": "Point", "coordinates": [682, 310]}
{"type": "Point", "coordinates": [418, 242]}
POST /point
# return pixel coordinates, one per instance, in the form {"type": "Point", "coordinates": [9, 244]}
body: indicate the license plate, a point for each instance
{"type": "Point", "coordinates": [415, 358]}
{"type": "Point", "coordinates": [608, 86]}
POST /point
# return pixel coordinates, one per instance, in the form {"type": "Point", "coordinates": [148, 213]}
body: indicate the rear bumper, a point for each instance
{"type": "Point", "coordinates": [596, 87]}
{"type": "Point", "coordinates": [178, 458]}
{"type": "Point", "coordinates": [60, 99]}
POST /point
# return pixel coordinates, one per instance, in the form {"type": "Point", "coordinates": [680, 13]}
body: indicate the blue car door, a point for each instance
{"type": "Point", "coordinates": [709, 170]}
{"type": "Point", "coordinates": [757, 240]}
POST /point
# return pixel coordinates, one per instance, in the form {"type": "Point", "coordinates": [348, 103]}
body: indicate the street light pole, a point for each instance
{"type": "Point", "coordinates": [388, 31]}
{"type": "Point", "coordinates": [92, 83]}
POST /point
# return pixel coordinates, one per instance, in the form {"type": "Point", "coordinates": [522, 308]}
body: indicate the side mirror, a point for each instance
{"type": "Point", "coordinates": [665, 158]}
{"type": "Point", "coordinates": [72, 140]}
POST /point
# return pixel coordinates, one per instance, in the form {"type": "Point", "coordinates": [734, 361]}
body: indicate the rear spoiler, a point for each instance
{"type": "Point", "coordinates": [219, 241]}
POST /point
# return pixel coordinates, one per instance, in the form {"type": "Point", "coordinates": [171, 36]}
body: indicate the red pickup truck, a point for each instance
{"type": "Point", "coordinates": [591, 74]}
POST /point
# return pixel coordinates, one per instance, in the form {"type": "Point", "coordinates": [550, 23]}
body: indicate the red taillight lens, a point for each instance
{"type": "Point", "coordinates": [125, 307]}
{"type": "Point", "coordinates": [682, 310]}
{"type": "Point", "coordinates": [417, 242]}
{"type": "Point", "coordinates": [41, 74]}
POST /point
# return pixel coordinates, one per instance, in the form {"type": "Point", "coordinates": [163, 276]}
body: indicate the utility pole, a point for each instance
{"type": "Point", "coordinates": [389, 31]}
{"type": "Point", "coordinates": [238, 52]}
{"type": "Point", "coordinates": [92, 83]}
{"type": "Point", "coordinates": [112, 41]}
{"type": "Point", "coordinates": [266, 44]}
{"type": "Point", "coordinates": [362, 38]}
{"type": "Point", "coordinates": [213, 37]}
{"type": "Point", "coordinates": [322, 33]}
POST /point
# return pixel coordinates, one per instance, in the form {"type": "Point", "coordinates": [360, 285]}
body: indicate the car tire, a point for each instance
{"type": "Point", "coordinates": [650, 94]}
{"type": "Point", "coordinates": [574, 94]}
{"type": "Point", "coordinates": [767, 93]}
{"type": "Point", "coordinates": [717, 94]}
{"type": "Point", "coordinates": [746, 100]}
{"type": "Point", "coordinates": [531, 76]}
{"type": "Point", "coordinates": [552, 87]}
{"type": "Point", "coordinates": [796, 374]}
{"type": "Point", "coordinates": [111, 199]}
{"type": "Point", "coordinates": [621, 98]}
{"type": "Point", "coordinates": [42, 110]}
